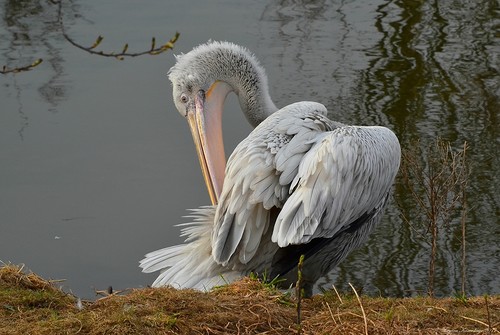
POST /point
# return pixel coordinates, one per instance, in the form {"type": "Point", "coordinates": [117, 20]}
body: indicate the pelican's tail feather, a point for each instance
{"type": "Point", "coordinates": [190, 265]}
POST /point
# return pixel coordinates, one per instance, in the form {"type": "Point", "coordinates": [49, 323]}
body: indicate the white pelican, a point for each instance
{"type": "Point", "coordinates": [299, 184]}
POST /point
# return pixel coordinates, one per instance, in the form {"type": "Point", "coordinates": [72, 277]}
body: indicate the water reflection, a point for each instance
{"type": "Point", "coordinates": [425, 69]}
{"type": "Point", "coordinates": [422, 68]}
{"type": "Point", "coordinates": [31, 31]}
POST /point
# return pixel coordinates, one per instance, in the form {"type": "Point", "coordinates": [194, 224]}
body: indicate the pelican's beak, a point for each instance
{"type": "Point", "coordinates": [206, 127]}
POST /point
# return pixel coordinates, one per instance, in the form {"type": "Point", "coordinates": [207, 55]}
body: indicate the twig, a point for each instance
{"type": "Point", "coordinates": [298, 288]}
{"type": "Point", "coordinates": [153, 50]}
{"type": "Point", "coordinates": [109, 292]}
{"type": "Point", "coordinates": [438, 188]}
{"type": "Point", "coordinates": [480, 322]}
{"type": "Point", "coordinates": [331, 313]}
{"type": "Point", "coordinates": [488, 314]}
{"type": "Point", "coordinates": [6, 70]}
{"type": "Point", "coordinates": [463, 218]}
{"type": "Point", "coordinates": [353, 314]}
{"type": "Point", "coordinates": [337, 292]}
{"type": "Point", "coordinates": [362, 309]}
{"type": "Point", "coordinates": [338, 315]}
{"type": "Point", "coordinates": [436, 307]}
{"type": "Point", "coordinates": [118, 55]}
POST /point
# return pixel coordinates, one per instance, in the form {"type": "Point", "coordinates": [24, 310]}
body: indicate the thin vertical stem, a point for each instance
{"type": "Point", "coordinates": [465, 175]}
{"type": "Point", "coordinates": [362, 309]}
{"type": "Point", "coordinates": [298, 287]}
{"type": "Point", "coordinates": [488, 314]}
{"type": "Point", "coordinates": [434, 231]}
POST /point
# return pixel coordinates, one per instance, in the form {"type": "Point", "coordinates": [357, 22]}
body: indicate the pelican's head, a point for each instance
{"type": "Point", "coordinates": [199, 92]}
{"type": "Point", "coordinates": [201, 81]}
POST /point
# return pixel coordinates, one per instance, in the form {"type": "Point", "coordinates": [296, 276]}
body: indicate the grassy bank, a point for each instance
{"type": "Point", "coordinates": [32, 305]}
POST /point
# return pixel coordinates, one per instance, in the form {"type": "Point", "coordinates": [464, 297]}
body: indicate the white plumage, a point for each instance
{"type": "Point", "coordinates": [298, 184]}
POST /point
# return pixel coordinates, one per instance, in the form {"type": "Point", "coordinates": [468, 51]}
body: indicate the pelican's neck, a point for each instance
{"type": "Point", "coordinates": [240, 69]}
{"type": "Point", "coordinates": [234, 65]}
{"type": "Point", "coordinates": [250, 85]}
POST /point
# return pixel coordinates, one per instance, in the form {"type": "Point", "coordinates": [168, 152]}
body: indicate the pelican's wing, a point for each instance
{"type": "Point", "coordinates": [324, 176]}
{"type": "Point", "coordinates": [258, 176]}
{"type": "Point", "coordinates": [345, 176]}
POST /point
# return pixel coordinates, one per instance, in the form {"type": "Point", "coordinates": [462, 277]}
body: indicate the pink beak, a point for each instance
{"type": "Point", "coordinates": [205, 124]}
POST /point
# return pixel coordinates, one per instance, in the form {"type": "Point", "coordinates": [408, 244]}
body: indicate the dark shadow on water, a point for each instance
{"type": "Point", "coordinates": [424, 69]}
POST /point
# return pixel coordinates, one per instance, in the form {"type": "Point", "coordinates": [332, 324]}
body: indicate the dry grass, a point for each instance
{"type": "Point", "coordinates": [32, 305]}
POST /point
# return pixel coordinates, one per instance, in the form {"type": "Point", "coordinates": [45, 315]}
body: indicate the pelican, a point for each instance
{"type": "Point", "coordinates": [299, 184]}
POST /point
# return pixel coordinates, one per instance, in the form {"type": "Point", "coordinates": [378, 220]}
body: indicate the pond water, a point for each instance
{"type": "Point", "coordinates": [96, 165]}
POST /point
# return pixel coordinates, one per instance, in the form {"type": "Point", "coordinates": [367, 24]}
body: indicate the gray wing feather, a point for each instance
{"type": "Point", "coordinates": [253, 186]}
{"type": "Point", "coordinates": [322, 175]}
{"type": "Point", "coordinates": [345, 175]}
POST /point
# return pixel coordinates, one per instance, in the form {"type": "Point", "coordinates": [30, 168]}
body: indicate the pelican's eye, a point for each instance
{"type": "Point", "coordinates": [184, 98]}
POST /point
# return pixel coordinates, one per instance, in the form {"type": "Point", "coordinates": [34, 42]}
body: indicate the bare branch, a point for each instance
{"type": "Point", "coordinates": [91, 49]}
{"type": "Point", "coordinates": [6, 70]}
{"type": "Point", "coordinates": [118, 55]}
{"type": "Point", "coordinates": [435, 178]}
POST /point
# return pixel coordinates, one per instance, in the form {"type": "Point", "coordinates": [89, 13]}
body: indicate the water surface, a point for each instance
{"type": "Point", "coordinates": [97, 166]}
